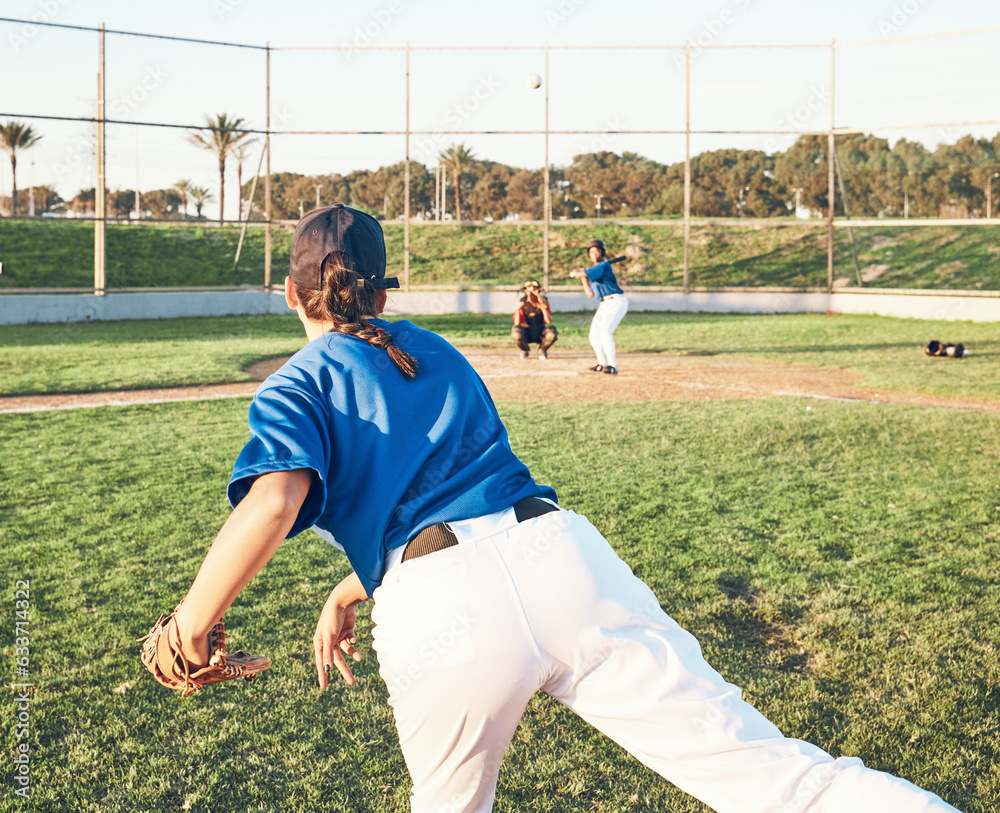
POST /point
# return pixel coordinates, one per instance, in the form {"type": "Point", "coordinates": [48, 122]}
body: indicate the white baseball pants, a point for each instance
{"type": "Point", "coordinates": [465, 636]}
{"type": "Point", "coordinates": [609, 313]}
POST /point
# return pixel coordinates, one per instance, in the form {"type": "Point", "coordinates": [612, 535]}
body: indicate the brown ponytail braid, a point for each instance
{"type": "Point", "coordinates": [344, 302]}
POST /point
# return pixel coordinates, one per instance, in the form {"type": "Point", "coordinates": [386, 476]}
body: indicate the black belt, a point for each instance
{"type": "Point", "coordinates": [440, 536]}
{"type": "Point", "coordinates": [609, 296]}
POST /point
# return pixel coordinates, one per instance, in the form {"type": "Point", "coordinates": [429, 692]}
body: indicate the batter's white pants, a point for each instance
{"type": "Point", "coordinates": [467, 635]}
{"type": "Point", "coordinates": [609, 313]}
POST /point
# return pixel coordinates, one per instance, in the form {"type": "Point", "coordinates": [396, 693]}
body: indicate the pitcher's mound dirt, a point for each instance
{"type": "Point", "coordinates": [564, 377]}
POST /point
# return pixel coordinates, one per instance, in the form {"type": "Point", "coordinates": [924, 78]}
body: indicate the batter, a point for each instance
{"type": "Point", "coordinates": [383, 438]}
{"type": "Point", "coordinates": [599, 280]}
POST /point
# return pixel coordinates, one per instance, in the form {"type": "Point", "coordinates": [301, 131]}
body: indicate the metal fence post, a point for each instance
{"type": "Point", "coordinates": [100, 193]}
{"type": "Point", "coordinates": [406, 182]}
{"type": "Point", "coordinates": [267, 175]}
{"type": "Point", "coordinates": [547, 199]}
{"type": "Point", "coordinates": [831, 158]}
{"type": "Point", "coordinates": [687, 169]}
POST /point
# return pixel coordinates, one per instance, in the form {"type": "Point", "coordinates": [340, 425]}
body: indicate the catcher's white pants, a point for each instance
{"type": "Point", "coordinates": [609, 314]}
{"type": "Point", "coordinates": [467, 635]}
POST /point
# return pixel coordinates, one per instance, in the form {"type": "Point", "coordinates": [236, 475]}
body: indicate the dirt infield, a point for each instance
{"type": "Point", "coordinates": [667, 377]}
{"type": "Point", "coordinates": [564, 377]}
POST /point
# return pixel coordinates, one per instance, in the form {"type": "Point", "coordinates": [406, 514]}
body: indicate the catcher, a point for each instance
{"type": "Point", "coordinates": [533, 321]}
{"type": "Point", "coordinates": [382, 438]}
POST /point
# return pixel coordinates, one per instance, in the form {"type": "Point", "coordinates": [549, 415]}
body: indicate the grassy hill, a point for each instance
{"type": "Point", "coordinates": [46, 254]}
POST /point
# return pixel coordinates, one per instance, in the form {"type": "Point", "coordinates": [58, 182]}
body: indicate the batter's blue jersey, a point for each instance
{"type": "Point", "coordinates": [391, 456]}
{"type": "Point", "coordinates": [603, 281]}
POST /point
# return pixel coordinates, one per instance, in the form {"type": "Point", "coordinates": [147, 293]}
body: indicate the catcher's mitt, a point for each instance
{"type": "Point", "coordinates": [161, 655]}
{"type": "Point", "coordinates": [936, 348]}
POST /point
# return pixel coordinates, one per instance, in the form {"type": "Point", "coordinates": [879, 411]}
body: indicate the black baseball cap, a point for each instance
{"type": "Point", "coordinates": [596, 244]}
{"type": "Point", "coordinates": [355, 237]}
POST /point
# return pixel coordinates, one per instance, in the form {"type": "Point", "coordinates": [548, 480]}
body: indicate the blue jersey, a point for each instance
{"type": "Point", "coordinates": [603, 281]}
{"type": "Point", "coordinates": [391, 456]}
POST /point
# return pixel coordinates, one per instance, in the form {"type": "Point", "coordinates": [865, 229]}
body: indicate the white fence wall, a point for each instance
{"type": "Point", "coordinates": [54, 308]}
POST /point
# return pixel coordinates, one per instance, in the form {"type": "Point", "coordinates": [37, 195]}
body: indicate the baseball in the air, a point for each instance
{"type": "Point", "coordinates": [534, 81]}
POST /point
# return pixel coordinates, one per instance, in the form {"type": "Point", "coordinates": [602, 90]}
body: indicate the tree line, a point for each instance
{"type": "Point", "coordinates": [874, 179]}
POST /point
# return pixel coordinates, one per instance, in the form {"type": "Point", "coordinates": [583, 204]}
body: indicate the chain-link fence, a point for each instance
{"type": "Point", "coordinates": [716, 171]}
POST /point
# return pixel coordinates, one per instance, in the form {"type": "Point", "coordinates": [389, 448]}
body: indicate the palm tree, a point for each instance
{"type": "Point", "coordinates": [183, 188]}
{"type": "Point", "coordinates": [457, 158]}
{"type": "Point", "coordinates": [16, 136]}
{"type": "Point", "coordinates": [241, 153]}
{"type": "Point", "coordinates": [223, 137]}
{"type": "Point", "coordinates": [199, 194]}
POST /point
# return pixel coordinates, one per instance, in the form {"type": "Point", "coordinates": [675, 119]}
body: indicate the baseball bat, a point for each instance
{"type": "Point", "coordinates": [618, 259]}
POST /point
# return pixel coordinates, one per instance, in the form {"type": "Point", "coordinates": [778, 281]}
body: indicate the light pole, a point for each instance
{"type": "Point", "coordinates": [798, 199]}
{"type": "Point", "coordinates": [318, 187]}
{"type": "Point", "coordinates": [742, 190]}
{"type": "Point", "coordinates": [989, 194]}
{"type": "Point", "coordinates": [137, 208]}
{"type": "Point", "coordinates": [437, 193]}
{"type": "Point", "coordinates": [598, 197]}
{"type": "Point", "coordinates": [441, 180]}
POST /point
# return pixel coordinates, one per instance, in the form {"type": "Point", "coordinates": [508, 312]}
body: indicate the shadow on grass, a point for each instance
{"type": "Point", "coordinates": [749, 625]}
{"type": "Point", "coordinates": [801, 259]}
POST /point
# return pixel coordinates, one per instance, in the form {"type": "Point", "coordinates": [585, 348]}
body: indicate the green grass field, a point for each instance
{"type": "Point", "coordinates": [839, 563]}
{"type": "Point", "coordinates": [836, 560]}
{"type": "Point", "coordinates": [784, 253]}
{"type": "Point", "coordinates": [886, 353]}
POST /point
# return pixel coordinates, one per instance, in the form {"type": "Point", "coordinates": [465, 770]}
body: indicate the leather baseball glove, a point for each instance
{"type": "Point", "coordinates": [161, 655]}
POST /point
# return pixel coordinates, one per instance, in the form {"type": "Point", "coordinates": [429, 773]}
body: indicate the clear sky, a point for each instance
{"type": "Point", "coordinates": [878, 86]}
